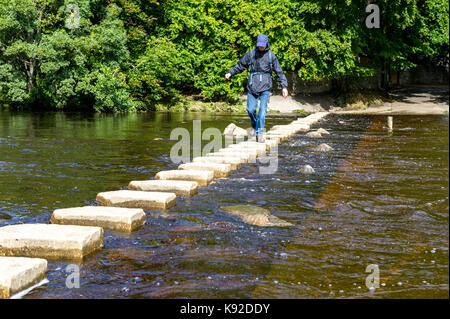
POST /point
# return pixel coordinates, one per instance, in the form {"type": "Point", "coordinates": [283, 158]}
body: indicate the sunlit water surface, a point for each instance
{"type": "Point", "coordinates": [379, 198]}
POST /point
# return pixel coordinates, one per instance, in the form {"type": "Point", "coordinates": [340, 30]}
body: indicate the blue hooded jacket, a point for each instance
{"type": "Point", "coordinates": [262, 80]}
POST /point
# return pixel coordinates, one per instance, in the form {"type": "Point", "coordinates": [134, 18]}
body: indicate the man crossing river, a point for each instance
{"type": "Point", "coordinates": [262, 62]}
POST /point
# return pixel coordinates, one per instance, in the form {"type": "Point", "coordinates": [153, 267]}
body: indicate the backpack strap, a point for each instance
{"type": "Point", "coordinates": [252, 56]}
{"type": "Point", "coordinates": [270, 61]}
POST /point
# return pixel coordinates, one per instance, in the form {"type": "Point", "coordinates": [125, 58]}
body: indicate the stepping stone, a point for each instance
{"type": "Point", "coordinates": [50, 241]}
{"type": "Point", "coordinates": [20, 273]}
{"type": "Point", "coordinates": [277, 127]}
{"type": "Point", "coordinates": [261, 145]}
{"type": "Point", "coordinates": [220, 170]}
{"type": "Point", "coordinates": [273, 137]}
{"type": "Point", "coordinates": [180, 188]}
{"type": "Point", "coordinates": [271, 143]}
{"type": "Point", "coordinates": [235, 162]}
{"type": "Point", "coordinates": [284, 133]}
{"type": "Point", "coordinates": [250, 154]}
{"type": "Point", "coordinates": [203, 178]}
{"type": "Point", "coordinates": [242, 156]}
{"type": "Point", "coordinates": [113, 218]}
{"type": "Point", "coordinates": [137, 199]}
{"type": "Point", "coordinates": [259, 150]}
{"type": "Point", "coordinates": [300, 127]}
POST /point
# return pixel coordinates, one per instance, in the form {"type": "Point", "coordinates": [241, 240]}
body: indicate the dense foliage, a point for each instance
{"type": "Point", "coordinates": [123, 55]}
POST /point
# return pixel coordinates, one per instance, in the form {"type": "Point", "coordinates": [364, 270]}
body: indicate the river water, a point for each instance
{"type": "Point", "coordinates": [378, 199]}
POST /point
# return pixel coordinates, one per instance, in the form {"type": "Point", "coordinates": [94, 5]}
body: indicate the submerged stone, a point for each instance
{"type": "Point", "coordinates": [20, 273]}
{"type": "Point", "coordinates": [307, 169]}
{"type": "Point", "coordinates": [4, 216]}
{"type": "Point", "coordinates": [255, 215]}
{"type": "Point", "coordinates": [50, 241]}
{"type": "Point", "coordinates": [323, 148]}
{"type": "Point", "coordinates": [186, 229]}
{"type": "Point", "coordinates": [222, 226]}
{"type": "Point", "coordinates": [166, 216]}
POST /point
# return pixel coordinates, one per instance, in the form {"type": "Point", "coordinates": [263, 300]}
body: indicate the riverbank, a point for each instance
{"type": "Point", "coordinates": [411, 100]}
{"type": "Point", "coordinates": [418, 99]}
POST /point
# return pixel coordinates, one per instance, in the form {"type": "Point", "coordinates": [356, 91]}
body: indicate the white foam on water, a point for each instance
{"type": "Point", "coordinates": [22, 293]}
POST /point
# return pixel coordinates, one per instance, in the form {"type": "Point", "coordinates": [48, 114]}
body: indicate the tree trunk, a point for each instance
{"type": "Point", "coordinates": [30, 69]}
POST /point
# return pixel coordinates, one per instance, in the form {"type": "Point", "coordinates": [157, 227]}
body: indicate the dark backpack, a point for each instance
{"type": "Point", "coordinates": [252, 56]}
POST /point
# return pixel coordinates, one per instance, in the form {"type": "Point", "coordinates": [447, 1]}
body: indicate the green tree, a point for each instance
{"type": "Point", "coordinates": [43, 60]}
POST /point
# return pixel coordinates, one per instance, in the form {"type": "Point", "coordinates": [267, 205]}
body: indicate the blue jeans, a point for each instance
{"type": "Point", "coordinates": [252, 104]}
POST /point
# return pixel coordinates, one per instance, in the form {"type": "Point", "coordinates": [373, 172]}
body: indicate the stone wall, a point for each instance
{"type": "Point", "coordinates": [424, 75]}
{"type": "Point", "coordinates": [418, 75]}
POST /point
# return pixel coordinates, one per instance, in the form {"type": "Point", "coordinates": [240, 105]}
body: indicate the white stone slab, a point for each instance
{"type": "Point", "coordinates": [203, 178]}
{"type": "Point", "coordinates": [234, 162]}
{"type": "Point", "coordinates": [137, 199]}
{"type": "Point", "coordinates": [220, 170]}
{"type": "Point", "coordinates": [180, 188]}
{"type": "Point", "coordinates": [273, 137]}
{"type": "Point", "coordinates": [259, 150]}
{"type": "Point", "coordinates": [20, 273]}
{"type": "Point", "coordinates": [251, 153]}
{"type": "Point", "coordinates": [50, 241]}
{"type": "Point", "coordinates": [113, 218]}
{"type": "Point", "coordinates": [241, 155]}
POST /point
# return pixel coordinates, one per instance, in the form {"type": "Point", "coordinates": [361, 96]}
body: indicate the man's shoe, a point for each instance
{"type": "Point", "coordinates": [252, 132]}
{"type": "Point", "coordinates": [260, 139]}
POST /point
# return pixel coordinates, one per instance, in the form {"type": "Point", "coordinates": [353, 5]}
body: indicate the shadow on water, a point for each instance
{"type": "Point", "coordinates": [377, 198]}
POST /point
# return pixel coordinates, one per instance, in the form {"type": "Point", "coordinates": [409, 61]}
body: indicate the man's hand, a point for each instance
{"type": "Point", "coordinates": [285, 92]}
{"type": "Point", "coordinates": [227, 76]}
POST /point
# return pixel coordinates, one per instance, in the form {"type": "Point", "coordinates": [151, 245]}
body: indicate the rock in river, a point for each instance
{"type": "Point", "coordinates": [255, 215]}
{"type": "Point", "coordinates": [314, 134]}
{"type": "Point", "coordinates": [323, 148]}
{"type": "Point", "coordinates": [307, 169]}
{"type": "Point", "coordinates": [323, 131]}
{"type": "Point", "coordinates": [234, 130]}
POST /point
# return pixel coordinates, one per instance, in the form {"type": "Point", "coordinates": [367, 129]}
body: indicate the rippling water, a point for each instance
{"type": "Point", "coordinates": [378, 198]}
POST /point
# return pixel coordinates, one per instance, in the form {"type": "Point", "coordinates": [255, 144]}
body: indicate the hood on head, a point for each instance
{"type": "Point", "coordinates": [262, 41]}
